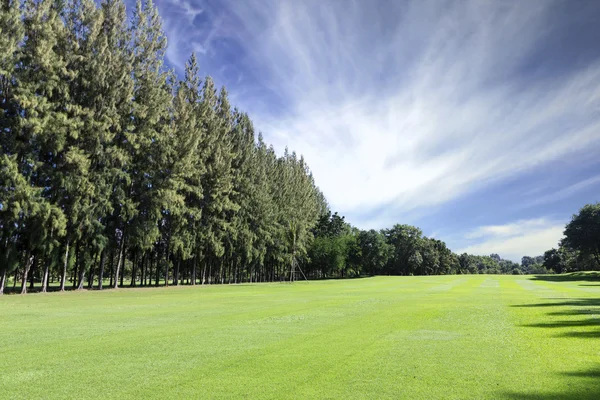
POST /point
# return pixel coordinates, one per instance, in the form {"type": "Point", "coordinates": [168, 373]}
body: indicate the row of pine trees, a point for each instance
{"type": "Point", "coordinates": [111, 166]}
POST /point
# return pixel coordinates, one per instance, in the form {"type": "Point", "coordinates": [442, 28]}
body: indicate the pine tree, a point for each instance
{"type": "Point", "coordinates": [15, 195]}
{"type": "Point", "coordinates": [30, 224]}
{"type": "Point", "coordinates": [275, 254]}
{"type": "Point", "coordinates": [187, 168]}
{"type": "Point", "coordinates": [50, 122]}
{"type": "Point", "coordinates": [113, 91]}
{"type": "Point", "coordinates": [11, 34]}
{"type": "Point", "coordinates": [151, 115]}
{"type": "Point", "coordinates": [262, 207]}
{"type": "Point", "coordinates": [240, 242]}
{"type": "Point", "coordinates": [83, 50]}
{"type": "Point", "coordinates": [298, 206]}
{"type": "Point", "coordinates": [217, 181]}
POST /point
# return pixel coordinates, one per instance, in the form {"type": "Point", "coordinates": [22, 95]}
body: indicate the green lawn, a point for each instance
{"type": "Point", "coordinates": [454, 337]}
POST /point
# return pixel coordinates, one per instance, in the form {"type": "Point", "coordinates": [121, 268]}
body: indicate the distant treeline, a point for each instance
{"type": "Point", "coordinates": [339, 250]}
{"type": "Point", "coordinates": [113, 171]}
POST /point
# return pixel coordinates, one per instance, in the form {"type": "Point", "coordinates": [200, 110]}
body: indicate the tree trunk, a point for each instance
{"type": "Point", "coordinates": [123, 267]}
{"type": "Point", "coordinates": [45, 279]}
{"type": "Point", "coordinates": [133, 270]}
{"type": "Point", "coordinates": [143, 270]}
{"type": "Point", "coordinates": [293, 259]}
{"type": "Point", "coordinates": [64, 271]}
{"type": "Point", "coordinates": [148, 279]}
{"type": "Point", "coordinates": [221, 271]}
{"type": "Point", "coordinates": [77, 266]}
{"type": "Point", "coordinates": [149, 269]}
{"type": "Point", "coordinates": [194, 271]}
{"type": "Point", "coordinates": [120, 258]}
{"type": "Point", "coordinates": [597, 257]}
{"type": "Point", "coordinates": [167, 264]}
{"type": "Point", "coordinates": [157, 275]}
{"type": "Point", "coordinates": [81, 277]}
{"type": "Point", "coordinates": [28, 263]}
{"type": "Point", "coordinates": [91, 274]}
{"type": "Point", "coordinates": [2, 281]}
{"type": "Point", "coordinates": [188, 271]}
{"type": "Point", "coordinates": [101, 273]}
{"type": "Point", "coordinates": [176, 277]}
{"type": "Point", "coordinates": [31, 276]}
{"type": "Point", "coordinates": [112, 267]}
{"type": "Point", "coordinates": [90, 278]}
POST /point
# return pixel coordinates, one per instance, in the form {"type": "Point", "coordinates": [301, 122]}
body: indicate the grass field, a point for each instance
{"type": "Point", "coordinates": [441, 337]}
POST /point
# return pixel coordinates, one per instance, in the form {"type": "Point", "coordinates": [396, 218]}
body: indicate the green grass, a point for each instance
{"type": "Point", "coordinates": [444, 337]}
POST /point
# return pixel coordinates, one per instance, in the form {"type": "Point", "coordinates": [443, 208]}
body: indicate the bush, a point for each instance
{"type": "Point", "coordinates": [539, 269]}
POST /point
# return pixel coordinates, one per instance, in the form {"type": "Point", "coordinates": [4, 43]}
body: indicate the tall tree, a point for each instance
{"type": "Point", "coordinates": [582, 233]}
{"type": "Point", "coordinates": [374, 251]}
{"type": "Point", "coordinates": [186, 167]}
{"type": "Point", "coordinates": [407, 242]}
{"type": "Point", "coordinates": [217, 180]}
{"type": "Point", "coordinates": [150, 116]}
{"type": "Point", "coordinates": [112, 94]}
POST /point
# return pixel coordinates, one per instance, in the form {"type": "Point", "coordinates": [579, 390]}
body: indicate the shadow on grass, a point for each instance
{"type": "Point", "coordinates": [585, 302]}
{"type": "Point", "coordinates": [581, 320]}
{"type": "Point", "coordinates": [593, 276]}
{"type": "Point", "coordinates": [584, 321]}
{"type": "Point", "coordinates": [566, 324]}
{"type": "Point", "coordinates": [582, 385]}
{"type": "Point", "coordinates": [9, 290]}
{"type": "Point", "coordinates": [37, 289]}
{"type": "Point", "coordinates": [70, 288]}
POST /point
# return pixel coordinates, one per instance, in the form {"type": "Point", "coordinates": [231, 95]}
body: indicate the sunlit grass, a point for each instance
{"type": "Point", "coordinates": [386, 337]}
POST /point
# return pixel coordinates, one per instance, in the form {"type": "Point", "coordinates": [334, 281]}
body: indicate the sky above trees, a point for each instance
{"type": "Point", "coordinates": [477, 121]}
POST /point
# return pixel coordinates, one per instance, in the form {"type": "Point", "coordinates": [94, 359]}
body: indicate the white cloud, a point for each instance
{"type": "Point", "coordinates": [189, 10]}
{"type": "Point", "coordinates": [508, 230]}
{"type": "Point", "coordinates": [515, 240]}
{"type": "Point", "coordinates": [407, 105]}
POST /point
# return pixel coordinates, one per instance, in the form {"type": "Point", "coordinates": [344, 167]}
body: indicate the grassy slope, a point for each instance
{"type": "Point", "coordinates": [386, 337]}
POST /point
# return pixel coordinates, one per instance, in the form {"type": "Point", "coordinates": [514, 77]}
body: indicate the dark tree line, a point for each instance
{"type": "Point", "coordinates": [111, 168]}
{"type": "Point", "coordinates": [340, 250]}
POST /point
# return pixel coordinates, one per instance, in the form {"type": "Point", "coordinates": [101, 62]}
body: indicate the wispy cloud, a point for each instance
{"type": "Point", "coordinates": [565, 192]}
{"type": "Point", "coordinates": [516, 239]}
{"type": "Point", "coordinates": [508, 230]}
{"type": "Point", "coordinates": [187, 9]}
{"type": "Point", "coordinates": [402, 105]}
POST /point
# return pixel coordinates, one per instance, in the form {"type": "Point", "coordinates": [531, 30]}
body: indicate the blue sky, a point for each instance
{"type": "Point", "coordinates": [478, 121]}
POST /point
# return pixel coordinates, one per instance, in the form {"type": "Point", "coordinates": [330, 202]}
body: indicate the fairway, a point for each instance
{"type": "Point", "coordinates": [436, 337]}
